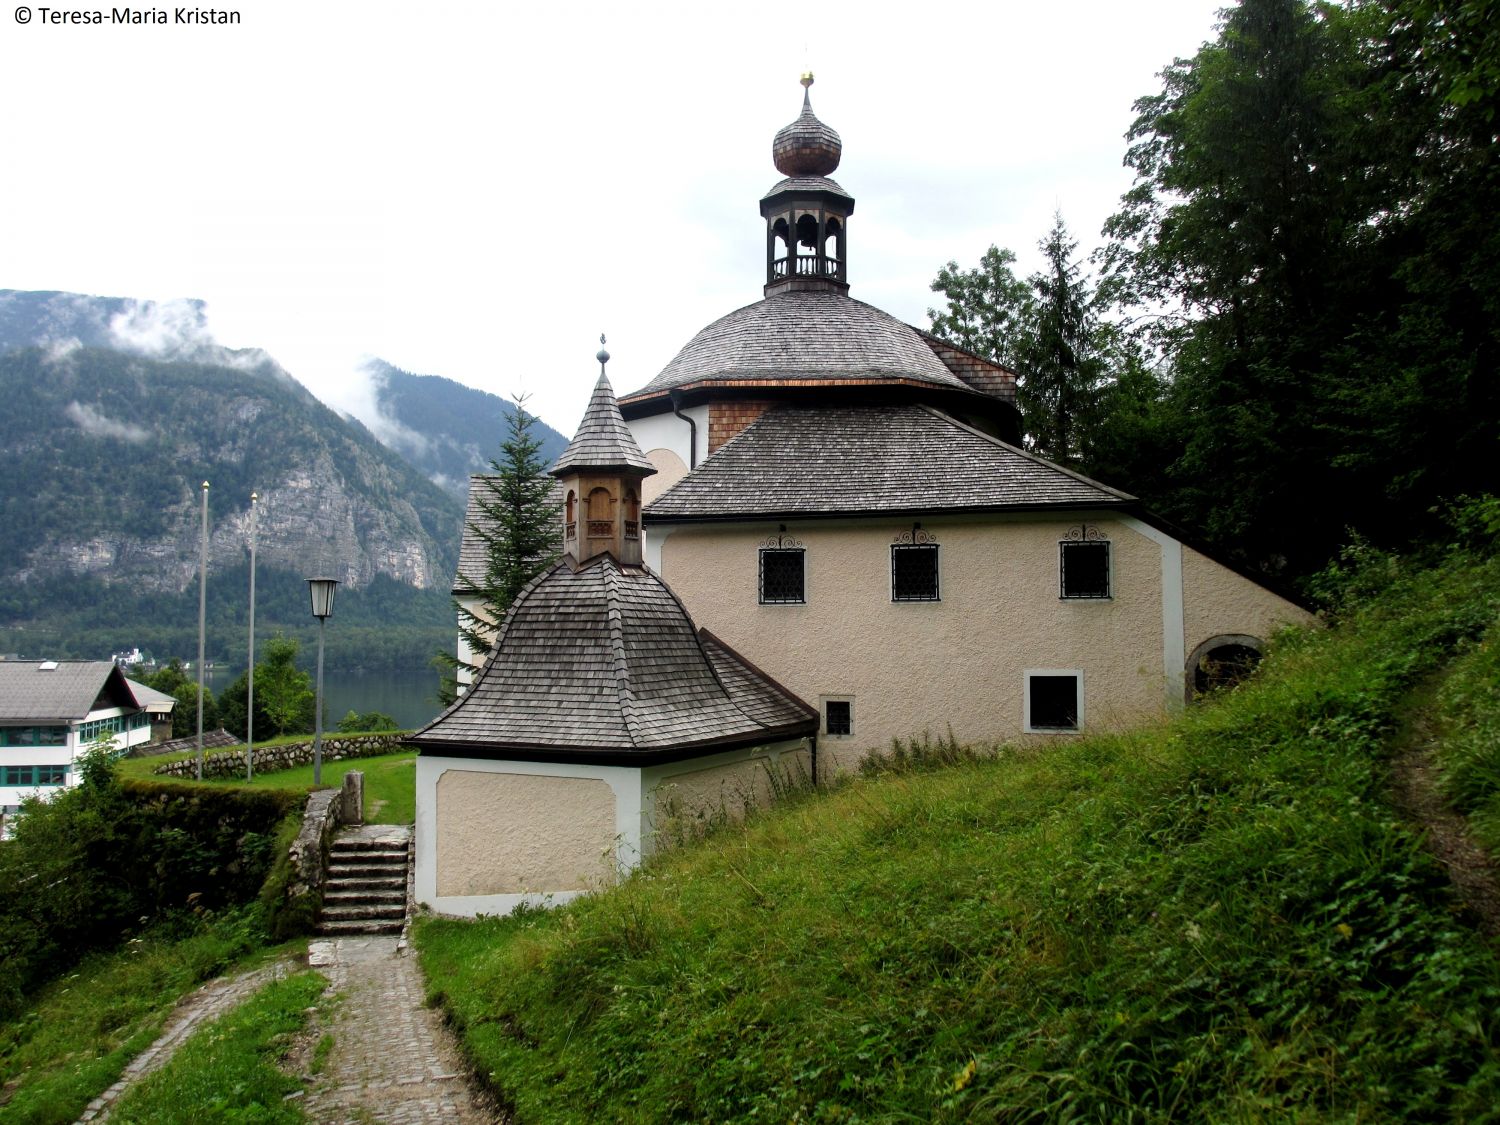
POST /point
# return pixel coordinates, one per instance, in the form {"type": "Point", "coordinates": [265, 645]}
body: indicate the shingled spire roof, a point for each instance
{"type": "Point", "coordinates": [603, 664]}
{"type": "Point", "coordinates": [603, 441]}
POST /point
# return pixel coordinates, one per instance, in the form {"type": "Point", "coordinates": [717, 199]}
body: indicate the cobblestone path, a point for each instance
{"type": "Point", "coordinates": [393, 1061]}
{"type": "Point", "coordinates": [206, 1003]}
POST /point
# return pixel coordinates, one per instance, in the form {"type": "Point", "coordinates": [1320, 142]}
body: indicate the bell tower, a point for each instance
{"type": "Point", "coordinates": [601, 473]}
{"type": "Point", "coordinates": [807, 214]}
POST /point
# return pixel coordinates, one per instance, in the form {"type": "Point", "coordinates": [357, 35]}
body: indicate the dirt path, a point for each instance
{"type": "Point", "coordinates": [1419, 795]}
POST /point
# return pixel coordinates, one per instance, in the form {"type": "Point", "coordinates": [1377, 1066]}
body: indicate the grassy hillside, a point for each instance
{"type": "Point", "coordinates": [1220, 919]}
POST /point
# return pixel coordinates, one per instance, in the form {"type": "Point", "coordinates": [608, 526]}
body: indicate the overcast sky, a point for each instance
{"type": "Point", "coordinates": [478, 190]}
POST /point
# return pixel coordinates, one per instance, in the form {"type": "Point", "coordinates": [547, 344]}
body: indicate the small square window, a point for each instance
{"type": "Point", "coordinates": [1085, 570]}
{"type": "Point", "coordinates": [914, 574]}
{"type": "Point", "coordinates": [838, 716]}
{"type": "Point", "coordinates": [782, 576]}
{"type": "Point", "coordinates": [1054, 701]}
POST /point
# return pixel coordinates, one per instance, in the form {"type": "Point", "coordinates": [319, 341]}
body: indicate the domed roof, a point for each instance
{"type": "Point", "coordinates": [603, 663]}
{"type": "Point", "coordinates": [805, 335]}
{"type": "Point", "coordinates": [806, 147]}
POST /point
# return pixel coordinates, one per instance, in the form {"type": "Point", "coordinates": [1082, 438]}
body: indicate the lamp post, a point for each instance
{"type": "Point", "coordinates": [322, 591]}
{"type": "Point", "coordinates": [202, 606]}
{"type": "Point", "coordinates": [250, 672]}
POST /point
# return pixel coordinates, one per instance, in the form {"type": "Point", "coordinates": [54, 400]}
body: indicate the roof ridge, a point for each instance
{"type": "Point", "coordinates": [708, 660]}
{"type": "Point", "coordinates": [1029, 456]}
{"type": "Point", "coordinates": [970, 352]}
{"type": "Point", "coordinates": [615, 621]}
{"type": "Point", "coordinates": [759, 674]}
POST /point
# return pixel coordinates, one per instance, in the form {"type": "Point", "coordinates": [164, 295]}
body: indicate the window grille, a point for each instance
{"type": "Point", "coordinates": [914, 574]}
{"type": "Point", "coordinates": [782, 576]}
{"type": "Point", "coordinates": [1085, 569]}
{"type": "Point", "coordinates": [838, 716]}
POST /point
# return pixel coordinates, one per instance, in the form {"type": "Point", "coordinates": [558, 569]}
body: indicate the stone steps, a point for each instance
{"type": "Point", "coordinates": [367, 876]}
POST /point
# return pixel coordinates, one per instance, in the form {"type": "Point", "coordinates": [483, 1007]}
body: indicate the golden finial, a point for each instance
{"type": "Point", "coordinates": [807, 78]}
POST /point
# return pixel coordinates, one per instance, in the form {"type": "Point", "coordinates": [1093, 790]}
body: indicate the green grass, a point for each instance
{"type": "Point", "coordinates": [79, 1033]}
{"type": "Point", "coordinates": [1468, 715]}
{"type": "Point", "coordinates": [1218, 919]}
{"type": "Point", "coordinates": [226, 1071]}
{"type": "Point", "coordinates": [390, 782]}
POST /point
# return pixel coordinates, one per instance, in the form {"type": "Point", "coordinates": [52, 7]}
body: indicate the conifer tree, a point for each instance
{"type": "Point", "coordinates": [518, 523]}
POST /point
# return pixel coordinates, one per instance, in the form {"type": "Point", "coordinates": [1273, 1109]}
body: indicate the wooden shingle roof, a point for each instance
{"type": "Point", "coordinates": [603, 440]}
{"type": "Point", "coordinates": [856, 460]}
{"type": "Point", "coordinates": [804, 336]}
{"type": "Point", "coordinates": [603, 664]}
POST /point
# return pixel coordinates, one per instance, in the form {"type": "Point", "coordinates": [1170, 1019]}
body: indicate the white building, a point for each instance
{"type": "Point", "coordinates": [50, 712]}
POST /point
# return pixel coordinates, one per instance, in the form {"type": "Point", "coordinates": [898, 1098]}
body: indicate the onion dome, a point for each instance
{"type": "Point", "coordinates": [806, 147]}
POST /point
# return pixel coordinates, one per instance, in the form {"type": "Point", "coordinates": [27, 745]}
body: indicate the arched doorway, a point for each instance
{"type": "Point", "coordinates": [1222, 662]}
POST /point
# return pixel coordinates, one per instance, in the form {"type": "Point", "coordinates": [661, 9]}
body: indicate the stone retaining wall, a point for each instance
{"type": "Point", "coordinates": [231, 763]}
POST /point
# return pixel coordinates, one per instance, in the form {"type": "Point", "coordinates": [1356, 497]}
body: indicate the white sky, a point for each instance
{"type": "Point", "coordinates": [477, 190]}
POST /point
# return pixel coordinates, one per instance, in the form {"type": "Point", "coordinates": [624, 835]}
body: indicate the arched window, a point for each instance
{"type": "Point", "coordinates": [632, 515]}
{"type": "Point", "coordinates": [571, 530]}
{"type": "Point", "coordinates": [780, 248]}
{"type": "Point", "coordinates": [601, 514]}
{"type": "Point", "coordinates": [1221, 662]}
{"type": "Point", "coordinates": [833, 244]}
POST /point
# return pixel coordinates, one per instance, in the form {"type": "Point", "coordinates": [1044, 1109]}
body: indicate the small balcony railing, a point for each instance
{"type": "Point", "coordinates": [806, 265]}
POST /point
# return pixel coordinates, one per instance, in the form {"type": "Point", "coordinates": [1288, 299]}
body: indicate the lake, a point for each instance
{"type": "Point", "coordinates": [409, 697]}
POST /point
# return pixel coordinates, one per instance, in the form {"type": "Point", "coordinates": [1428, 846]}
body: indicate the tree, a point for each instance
{"type": "Point", "coordinates": [284, 699]}
{"type": "Point", "coordinates": [519, 525]}
{"type": "Point", "coordinates": [988, 307]}
{"type": "Point", "coordinates": [1046, 329]}
{"type": "Point", "coordinates": [1060, 362]}
{"type": "Point", "coordinates": [1312, 218]}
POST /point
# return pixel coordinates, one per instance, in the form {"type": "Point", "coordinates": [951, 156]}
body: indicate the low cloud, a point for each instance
{"type": "Point", "coordinates": [58, 351]}
{"type": "Point", "coordinates": [161, 328]}
{"type": "Point", "coordinates": [91, 421]}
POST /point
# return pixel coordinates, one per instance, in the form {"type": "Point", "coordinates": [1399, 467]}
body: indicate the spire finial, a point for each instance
{"type": "Point", "coordinates": [602, 356]}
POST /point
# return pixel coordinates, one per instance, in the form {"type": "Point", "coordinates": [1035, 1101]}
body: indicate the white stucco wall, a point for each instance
{"type": "Point", "coordinates": [491, 835]}
{"type": "Point", "coordinates": [960, 663]}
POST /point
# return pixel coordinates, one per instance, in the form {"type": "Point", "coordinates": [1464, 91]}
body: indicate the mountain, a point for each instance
{"type": "Point", "coordinates": [112, 447]}
{"type": "Point", "coordinates": [445, 429]}
{"type": "Point", "coordinates": [115, 412]}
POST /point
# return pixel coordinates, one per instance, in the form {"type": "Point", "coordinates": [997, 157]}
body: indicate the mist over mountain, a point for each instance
{"type": "Point", "coordinates": [116, 411]}
{"type": "Point", "coordinates": [445, 429]}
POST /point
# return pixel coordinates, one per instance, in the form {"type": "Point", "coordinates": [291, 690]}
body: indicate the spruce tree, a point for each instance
{"type": "Point", "coordinates": [518, 523]}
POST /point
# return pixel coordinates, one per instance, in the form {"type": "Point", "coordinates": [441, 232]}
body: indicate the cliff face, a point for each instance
{"type": "Point", "coordinates": [104, 453]}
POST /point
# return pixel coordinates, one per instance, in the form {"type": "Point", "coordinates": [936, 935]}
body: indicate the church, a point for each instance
{"type": "Point", "coordinates": [813, 532]}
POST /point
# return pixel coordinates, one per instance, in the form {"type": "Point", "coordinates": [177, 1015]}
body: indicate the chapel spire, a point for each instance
{"type": "Point", "coordinates": [807, 213]}
{"type": "Point", "coordinates": [600, 473]}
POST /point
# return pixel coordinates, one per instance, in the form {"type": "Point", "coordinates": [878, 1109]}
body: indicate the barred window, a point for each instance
{"type": "Point", "coordinates": [1085, 570]}
{"type": "Point", "coordinates": [838, 716]}
{"type": "Point", "coordinates": [914, 574]}
{"type": "Point", "coordinates": [782, 576]}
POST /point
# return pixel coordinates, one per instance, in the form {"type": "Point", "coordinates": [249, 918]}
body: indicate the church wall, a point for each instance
{"type": "Point", "coordinates": [492, 835]}
{"type": "Point", "coordinates": [684, 797]}
{"type": "Point", "coordinates": [959, 663]}
{"type": "Point", "coordinates": [669, 432]}
{"type": "Point", "coordinates": [1219, 602]}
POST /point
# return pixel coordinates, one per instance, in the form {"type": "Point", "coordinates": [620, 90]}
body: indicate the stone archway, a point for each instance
{"type": "Point", "coordinates": [1221, 661]}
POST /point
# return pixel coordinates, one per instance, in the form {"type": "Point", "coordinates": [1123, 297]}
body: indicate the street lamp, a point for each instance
{"type": "Point", "coordinates": [250, 667]}
{"type": "Point", "coordinates": [322, 591]}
